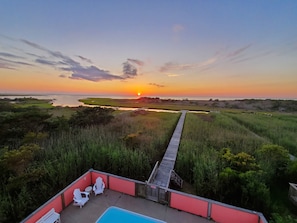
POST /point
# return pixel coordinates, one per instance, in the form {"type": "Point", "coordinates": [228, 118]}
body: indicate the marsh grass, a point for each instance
{"type": "Point", "coordinates": [103, 147]}
{"type": "Point", "coordinates": [277, 128]}
{"type": "Point", "coordinates": [32, 102]}
{"type": "Point", "coordinates": [133, 103]}
{"type": "Point", "coordinates": [202, 138]}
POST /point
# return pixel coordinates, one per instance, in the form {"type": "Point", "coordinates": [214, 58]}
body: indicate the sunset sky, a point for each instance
{"type": "Point", "coordinates": [159, 48]}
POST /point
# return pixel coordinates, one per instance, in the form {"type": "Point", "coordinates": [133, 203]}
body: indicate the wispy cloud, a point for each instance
{"type": "Point", "coordinates": [221, 56]}
{"type": "Point", "coordinates": [91, 73]}
{"type": "Point", "coordinates": [63, 76]}
{"type": "Point", "coordinates": [12, 61]}
{"type": "Point", "coordinates": [182, 67]}
{"type": "Point", "coordinates": [157, 85]}
{"type": "Point", "coordinates": [4, 54]}
{"type": "Point", "coordinates": [177, 28]}
{"type": "Point", "coordinates": [77, 71]}
{"type": "Point", "coordinates": [85, 59]}
{"type": "Point", "coordinates": [5, 66]}
{"type": "Point", "coordinates": [238, 51]}
{"type": "Point", "coordinates": [173, 75]}
{"type": "Point", "coordinates": [170, 66]}
{"type": "Point", "coordinates": [46, 62]}
{"type": "Point", "coordinates": [9, 64]}
{"type": "Point", "coordinates": [137, 62]}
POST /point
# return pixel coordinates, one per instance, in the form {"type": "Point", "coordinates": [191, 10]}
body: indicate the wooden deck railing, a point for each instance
{"type": "Point", "coordinates": [217, 211]}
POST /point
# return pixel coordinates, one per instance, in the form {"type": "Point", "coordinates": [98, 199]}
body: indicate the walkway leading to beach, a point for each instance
{"type": "Point", "coordinates": [163, 173]}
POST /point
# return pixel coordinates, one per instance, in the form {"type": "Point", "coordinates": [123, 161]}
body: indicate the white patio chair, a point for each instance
{"type": "Point", "coordinates": [80, 198]}
{"type": "Point", "coordinates": [99, 186]}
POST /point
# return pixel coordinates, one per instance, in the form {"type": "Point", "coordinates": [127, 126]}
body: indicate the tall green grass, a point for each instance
{"type": "Point", "coordinates": [204, 135]}
{"type": "Point", "coordinates": [68, 154]}
{"type": "Point", "coordinates": [279, 129]}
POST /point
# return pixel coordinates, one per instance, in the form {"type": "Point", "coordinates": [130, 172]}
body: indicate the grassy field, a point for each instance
{"type": "Point", "coordinates": [198, 105]}
{"type": "Point", "coordinates": [204, 135]}
{"type": "Point", "coordinates": [134, 140]}
{"type": "Point", "coordinates": [143, 103]}
{"type": "Point", "coordinates": [277, 128]}
{"type": "Point", "coordinates": [32, 102]}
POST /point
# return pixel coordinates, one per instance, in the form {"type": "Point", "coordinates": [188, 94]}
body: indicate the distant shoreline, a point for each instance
{"type": "Point", "coordinates": [264, 105]}
{"type": "Point", "coordinates": [190, 98]}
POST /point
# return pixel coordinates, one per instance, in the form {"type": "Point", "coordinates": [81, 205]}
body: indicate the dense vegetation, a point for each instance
{"type": "Point", "coordinates": [42, 152]}
{"type": "Point", "coordinates": [241, 158]}
{"type": "Point", "coordinates": [226, 159]}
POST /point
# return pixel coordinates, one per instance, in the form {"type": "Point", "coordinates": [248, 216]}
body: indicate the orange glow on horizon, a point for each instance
{"type": "Point", "coordinates": [50, 84]}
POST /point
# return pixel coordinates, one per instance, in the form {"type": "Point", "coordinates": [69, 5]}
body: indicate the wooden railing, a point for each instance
{"type": "Point", "coordinates": [175, 178]}
{"type": "Point", "coordinates": [217, 211]}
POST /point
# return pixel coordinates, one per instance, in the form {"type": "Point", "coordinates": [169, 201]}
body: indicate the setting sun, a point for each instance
{"type": "Point", "coordinates": [138, 93]}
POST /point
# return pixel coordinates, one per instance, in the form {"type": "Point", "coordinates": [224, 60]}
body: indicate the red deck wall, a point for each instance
{"type": "Point", "coordinates": [121, 185]}
{"type": "Point", "coordinates": [180, 201]}
{"type": "Point", "coordinates": [56, 203]}
{"type": "Point", "coordinates": [228, 215]}
{"type": "Point", "coordinates": [82, 183]}
{"type": "Point", "coordinates": [103, 176]}
{"type": "Point", "coordinates": [189, 204]}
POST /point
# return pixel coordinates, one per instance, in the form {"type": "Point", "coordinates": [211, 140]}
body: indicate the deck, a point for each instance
{"type": "Point", "coordinates": [98, 204]}
{"type": "Point", "coordinates": [167, 164]}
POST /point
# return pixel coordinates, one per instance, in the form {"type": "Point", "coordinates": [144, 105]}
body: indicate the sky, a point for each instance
{"type": "Point", "coordinates": [155, 48]}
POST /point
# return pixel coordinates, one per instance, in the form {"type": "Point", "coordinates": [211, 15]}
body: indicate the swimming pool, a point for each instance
{"type": "Point", "coordinates": [119, 215]}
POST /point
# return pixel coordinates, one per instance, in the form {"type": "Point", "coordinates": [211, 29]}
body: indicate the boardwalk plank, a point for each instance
{"type": "Point", "coordinates": [167, 164]}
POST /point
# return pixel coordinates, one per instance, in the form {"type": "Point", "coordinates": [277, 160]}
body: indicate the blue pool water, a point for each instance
{"type": "Point", "coordinates": [119, 215]}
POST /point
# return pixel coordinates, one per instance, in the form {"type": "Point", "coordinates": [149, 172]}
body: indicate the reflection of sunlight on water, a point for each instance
{"type": "Point", "coordinates": [199, 112]}
{"type": "Point", "coordinates": [57, 100]}
{"type": "Point", "coordinates": [145, 109]}
{"type": "Point", "coordinates": [62, 99]}
{"type": "Point", "coordinates": [72, 101]}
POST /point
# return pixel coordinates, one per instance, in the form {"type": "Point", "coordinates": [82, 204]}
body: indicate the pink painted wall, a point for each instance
{"type": "Point", "coordinates": [228, 215]}
{"type": "Point", "coordinates": [103, 176]}
{"type": "Point", "coordinates": [189, 204]}
{"type": "Point", "coordinates": [82, 183]}
{"type": "Point", "coordinates": [121, 185]}
{"type": "Point", "coordinates": [55, 203]}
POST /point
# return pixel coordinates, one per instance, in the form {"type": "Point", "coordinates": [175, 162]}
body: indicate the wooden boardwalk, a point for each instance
{"type": "Point", "coordinates": [163, 174]}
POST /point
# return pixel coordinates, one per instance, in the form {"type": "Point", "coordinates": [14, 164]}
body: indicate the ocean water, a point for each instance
{"type": "Point", "coordinates": [57, 99]}
{"type": "Point", "coordinates": [71, 100]}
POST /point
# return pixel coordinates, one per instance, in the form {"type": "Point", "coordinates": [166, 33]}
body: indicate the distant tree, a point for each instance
{"type": "Point", "coordinates": [57, 124]}
{"type": "Point", "coordinates": [91, 116]}
{"type": "Point", "coordinates": [17, 160]}
{"type": "Point", "coordinates": [14, 126]}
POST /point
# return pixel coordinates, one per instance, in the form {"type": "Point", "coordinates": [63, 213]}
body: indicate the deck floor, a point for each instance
{"type": "Point", "coordinates": [98, 204]}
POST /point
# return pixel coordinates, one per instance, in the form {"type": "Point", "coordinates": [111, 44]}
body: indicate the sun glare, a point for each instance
{"type": "Point", "coordinates": [138, 93]}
